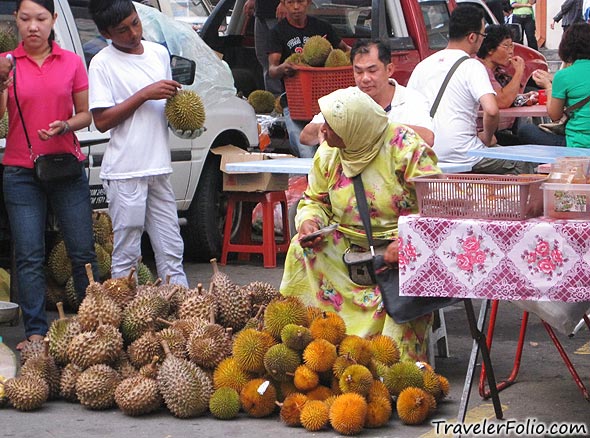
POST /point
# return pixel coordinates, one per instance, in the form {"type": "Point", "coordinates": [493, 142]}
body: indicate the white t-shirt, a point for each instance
{"type": "Point", "coordinates": [138, 145]}
{"type": "Point", "coordinates": [455, 127]}
{"type": "Point", "coordinates": [407, 107]}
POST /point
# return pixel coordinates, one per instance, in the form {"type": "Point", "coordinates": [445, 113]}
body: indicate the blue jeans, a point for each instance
{"type": "Point", "coordinates": [27, 201]}
{"type": "Point", "coordinates": [294, 128]}
{"type": "Point", "coordinates": [532, 134]}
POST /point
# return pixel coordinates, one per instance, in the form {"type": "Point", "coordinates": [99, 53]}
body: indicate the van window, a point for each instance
{"type": "Point", "coordinates": [436, 17]}
{"type": "Point", "coordinates": [91, 39]}
{"type": "Point", "coordinates": [350, 18]}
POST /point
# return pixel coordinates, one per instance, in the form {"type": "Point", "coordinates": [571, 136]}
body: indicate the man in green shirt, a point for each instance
{"type": "Point", "coordinates": [523, 15]}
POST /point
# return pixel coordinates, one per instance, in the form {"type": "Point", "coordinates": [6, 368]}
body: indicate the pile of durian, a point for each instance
{"type": "Point", "coordinates": [60, 283]}
{"type": "Point", "coordinates": [223, 350]}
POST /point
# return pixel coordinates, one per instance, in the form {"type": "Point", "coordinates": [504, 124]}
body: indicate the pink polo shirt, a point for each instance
{"type": "Point", "coordinates": [45, 94]}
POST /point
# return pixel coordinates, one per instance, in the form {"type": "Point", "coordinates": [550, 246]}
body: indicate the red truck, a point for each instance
{"type": "Point", "coordinates": [414, 30]}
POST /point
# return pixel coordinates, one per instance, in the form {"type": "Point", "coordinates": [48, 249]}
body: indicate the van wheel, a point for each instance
{"type": "Point", "coordinates": [206, 216]}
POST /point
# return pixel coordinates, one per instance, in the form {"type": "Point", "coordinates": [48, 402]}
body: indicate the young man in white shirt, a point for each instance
{"type": "Point", "coordinates": [372, 67]}
{"type": "Point", "coordinates": [455, 121]}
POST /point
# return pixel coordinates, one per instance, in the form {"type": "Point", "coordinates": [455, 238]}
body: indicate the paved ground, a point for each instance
{"type": "Point", "coordinates": [544, 392]}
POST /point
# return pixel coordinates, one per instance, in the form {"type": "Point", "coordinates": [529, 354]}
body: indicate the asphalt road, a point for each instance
{"type": "Point", "coordinates": [544, 392]}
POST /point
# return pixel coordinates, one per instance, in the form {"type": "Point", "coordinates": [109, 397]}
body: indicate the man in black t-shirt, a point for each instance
{"type": "Point", "coordinates": [266, 15]}
{"type": "Point", "coordinates": [288, 37]}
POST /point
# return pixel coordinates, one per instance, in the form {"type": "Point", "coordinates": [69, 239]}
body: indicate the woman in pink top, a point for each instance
{"type": "Point", "coordinates": [51, 86]}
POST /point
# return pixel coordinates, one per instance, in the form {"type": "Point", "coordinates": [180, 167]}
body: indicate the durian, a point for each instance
{"type": "Point", "coordinates": [44, 366]}
{"type": "Point", "coordinates": [59, 263]}
{"type": "Point", "coordinates": [384, 349]}
{"type": "Point", "coordinates": [95, 387]}
{"type": "Point", "coordinates": [305, 379]}
{"type": "Point", "coordinates": [296, 336]}
{"type": "Point", "coordinates": [348, 413]}
{"type": "Point", "coordinates": [224, 403]}
{"type": "Point", "coordinates": [314, 415]}
{"type": "Point", "coordinates": [139, 395]}
{"type": "Point", "coordinates": [402, 375]}
{"type": "Point", "coordinates": [329, 326]}
{"type": "Point", "coordinates": [291, 409]}
{"type": "Point", "coordinates": [281, 361]}
{"type": "Point", "coordinates": [185, 111]}
{"type": "Point", "coordinates": [283, 311]}
{"type": "Point", "coordinates": [316, 50]}
{"type": "Point", "coordinates": [8, 39]}
{"type": "Point", "coordinates": [185, 387]}
{"type": "Point", "coordinates": [249, 349]}
{"type": "Point", "coordinates": [258, 398]}
{"type": "Point", "coordinates": [262, 101]}
{"type": "Point", "coordinates": [26, 393]}
{"type": "Point", "coordinates": [229, 374]}
{"type": "Point", "coordinates": [356, 378]}
{"type": "Point", "coordinates": [378, 412]}
{"type": "Point", "coordinates": [320, 355]}
{"type": "Point", "coordinates": [413, 405]}
{"type": "Point", "coordinates": [337, 58]}
{"type": "Point", "coordinates": [296, 58]}
{"type": "Point", "coordinates": [67, 384]}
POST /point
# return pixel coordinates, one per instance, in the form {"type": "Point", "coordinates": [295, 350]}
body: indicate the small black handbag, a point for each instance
{"type": "Point", "coordinates": [57, 167]}
{"type": "Point", "coordinates": [401, 309]}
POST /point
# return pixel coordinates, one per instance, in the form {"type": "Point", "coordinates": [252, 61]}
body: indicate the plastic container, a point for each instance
{"type": "Point", "coordinates": [310, 83]}
{"type": "Point", "coordinates": [505, 197]}
{"type": "Point", "coordinates": [566, 201]}
{"type": "Point", "coordinates": [7, 361]}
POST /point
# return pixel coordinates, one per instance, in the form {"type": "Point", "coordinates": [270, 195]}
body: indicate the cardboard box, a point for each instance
{"type": "Point", "coordinates": [250, 181]}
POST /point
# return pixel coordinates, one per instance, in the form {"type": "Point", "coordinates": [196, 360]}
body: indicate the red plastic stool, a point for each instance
{"type": "Point", "coordinates": [269, 247]}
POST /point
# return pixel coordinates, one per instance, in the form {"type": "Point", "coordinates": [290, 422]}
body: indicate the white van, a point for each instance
{"type": "Point", "coordinates": [196, 178]}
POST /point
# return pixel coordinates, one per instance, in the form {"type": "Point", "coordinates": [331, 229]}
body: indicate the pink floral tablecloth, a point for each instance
{"type": "Point", "coordinates": [538, 259]}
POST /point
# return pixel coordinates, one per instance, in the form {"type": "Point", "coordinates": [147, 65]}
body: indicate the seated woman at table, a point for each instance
{"type": "Point", "coordinates": [497, 54]}
{"type": "Point", "coordinates": [359, 139]}
{"type": "Point", "coordinates": [569, 86]}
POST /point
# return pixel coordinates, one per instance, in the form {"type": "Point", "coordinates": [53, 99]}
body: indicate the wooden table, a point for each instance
{"type": "Point", "coordinates": [533, 153]}
{"type": "Point", "coordinates": [536, 259]}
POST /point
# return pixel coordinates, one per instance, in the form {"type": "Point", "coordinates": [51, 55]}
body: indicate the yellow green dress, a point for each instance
{"type": "Point", "coordinates": [319, 276]}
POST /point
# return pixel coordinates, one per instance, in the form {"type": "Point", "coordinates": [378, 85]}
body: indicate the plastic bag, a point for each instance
{"type": "Point", "coordinates": [561, 316]}
{"type": "Point", "coordinates": [213, 79]}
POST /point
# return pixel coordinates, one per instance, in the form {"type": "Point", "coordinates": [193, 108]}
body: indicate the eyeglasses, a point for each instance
{"type": "Point", "coordinates": [507, 46]}
{"type": "Point", "coordinates": [485, 34]}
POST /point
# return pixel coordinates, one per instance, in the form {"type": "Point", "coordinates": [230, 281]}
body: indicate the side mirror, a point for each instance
{"type": "Point", "coordinates": [183, 69]}
{"type": "Point", "coordinates": [516, 31]}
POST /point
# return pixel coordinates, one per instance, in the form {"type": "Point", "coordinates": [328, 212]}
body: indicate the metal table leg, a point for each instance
{"type": "Point", "coordinates": [479, 344]}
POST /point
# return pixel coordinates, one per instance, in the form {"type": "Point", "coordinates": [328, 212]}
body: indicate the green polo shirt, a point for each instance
{"type": "Point", "coordinates": [521, 11]}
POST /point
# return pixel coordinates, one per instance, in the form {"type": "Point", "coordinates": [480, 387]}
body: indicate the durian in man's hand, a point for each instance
{"type": "Point", "coordinates": [185, 111]}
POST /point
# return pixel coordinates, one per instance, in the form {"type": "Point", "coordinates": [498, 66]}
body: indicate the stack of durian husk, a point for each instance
{"type": "Point", "coordinates": [223, 350]}
{"type": "Point", "coordinates": [60, 283]}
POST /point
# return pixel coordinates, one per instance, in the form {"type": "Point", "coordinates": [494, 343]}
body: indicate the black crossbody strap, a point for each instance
{"type": "Point", "coordinates": [363, 207]}
{"type": "Point", "coordinates": [18, 107]}
{"type": "Point", "coordinates": [445, 83]}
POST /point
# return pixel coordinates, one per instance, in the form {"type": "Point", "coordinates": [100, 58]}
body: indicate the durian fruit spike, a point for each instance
{"type": "Point", "coordinates": [185, 111]}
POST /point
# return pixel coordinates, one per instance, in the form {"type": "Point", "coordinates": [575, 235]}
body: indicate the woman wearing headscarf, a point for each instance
{"type": "Point", "coordinates": [359, 139]}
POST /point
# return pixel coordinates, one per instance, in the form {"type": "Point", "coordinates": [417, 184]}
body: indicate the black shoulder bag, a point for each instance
{"type": "Point", "coordinates": [50, 167]}
{"type": "Point", "coordinates": [401, 309]}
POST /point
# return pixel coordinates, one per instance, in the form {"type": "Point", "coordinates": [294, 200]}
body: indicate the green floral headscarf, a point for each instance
{"type": "Point", "coordinates": [361, 124]}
